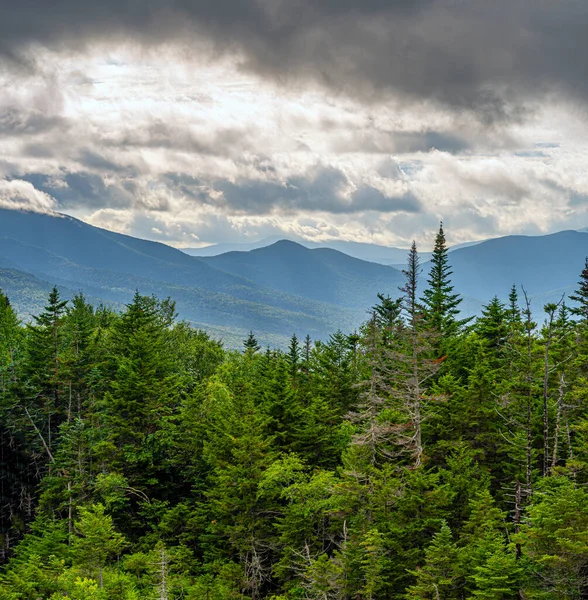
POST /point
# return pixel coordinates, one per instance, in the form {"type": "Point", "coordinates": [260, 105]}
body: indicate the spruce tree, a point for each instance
{"type": "Point", "coordinates": [439, 576]}
{"type": "Point", "coordinates": [97, 541]}
{"type": "Point", "coordinates": [440, 303]}
{"type": "Point", "coordinates": [293, 356]}
{"type": "Point", "coordinates": [250, 344]}
{"type": "Point", "coordinates": [514, 311]}
{"type": "Point", "coordinates": [492, 324]}
{"type": "Point", "coordinates": [412, 366]}
{"type": "Point", "coordinates": [580, 296]}
{"type": "Point", "coordinates": [9, 342]}
{"type": "Point", "coordinates": [44, 372]}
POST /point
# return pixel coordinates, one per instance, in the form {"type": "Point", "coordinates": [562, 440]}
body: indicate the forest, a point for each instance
{"type": "Point", "coordinates": [422, 456]}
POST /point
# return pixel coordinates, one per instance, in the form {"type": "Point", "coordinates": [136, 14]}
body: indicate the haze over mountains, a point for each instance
{"type": "Point", "coordinates": [386, 255]}
{"type": "Point", "coordinates": [275, 290]}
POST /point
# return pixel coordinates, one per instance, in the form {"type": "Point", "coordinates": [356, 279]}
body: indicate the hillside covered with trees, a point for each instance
{"type": "Point", "coordinates": [423, 456]}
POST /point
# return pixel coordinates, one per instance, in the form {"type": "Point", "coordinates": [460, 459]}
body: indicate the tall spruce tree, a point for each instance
{"type": "Point", "coordinates": [441, 305]}
{"type": "Point", "coordinates": [413, 367]}
{"type": "Point", "coordinates": [580, 296]}
{"type": "Point", "coordinates": [44, 373]}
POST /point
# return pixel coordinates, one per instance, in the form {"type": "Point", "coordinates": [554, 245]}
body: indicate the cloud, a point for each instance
{"type": "Point", "coordinates": [486, 57]}
{"type": "Point", "coordinates": [22, 195]}
{"type": "Point", "coordinates": [321, 189]}
{"type": "Point", "coordinates": [75, 190]}
{"type": "Point", "coordinates": [189, 146]}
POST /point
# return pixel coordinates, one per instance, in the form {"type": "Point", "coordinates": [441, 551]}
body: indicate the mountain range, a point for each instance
{"type": "Point", "coordinates": [385, 255]}
{"type": "Point", "coordinates": [274, 290]}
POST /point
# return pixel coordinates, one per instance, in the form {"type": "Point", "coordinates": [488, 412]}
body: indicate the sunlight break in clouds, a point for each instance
{"type": "Point", "coordinates": [158, 128]}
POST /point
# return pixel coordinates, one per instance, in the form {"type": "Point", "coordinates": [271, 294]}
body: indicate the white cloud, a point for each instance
{"type": "Point", "coordinates": [100, 136]}
{"type": "Point", "coordinates": [22, 195]}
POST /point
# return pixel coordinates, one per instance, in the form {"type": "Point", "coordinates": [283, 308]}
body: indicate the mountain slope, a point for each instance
{"type": "Point", "coordinates": [385, 255]}
{"type": "Point", "coordinates": [324, 275]}
{"type": "Point", "coordinates": [110, 267]}
{"type": "Point", "coordinates": [541, 264]}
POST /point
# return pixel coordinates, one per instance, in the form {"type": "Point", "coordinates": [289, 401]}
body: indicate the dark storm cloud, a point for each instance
{"type": "Point", "coordinates": [73, 190]}
{"type": "Point", "coordinates": [324, 190]}
{"type": "Point", "coordinates": [487, 56]}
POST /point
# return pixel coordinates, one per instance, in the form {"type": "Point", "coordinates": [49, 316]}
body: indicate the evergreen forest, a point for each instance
{"type": "Point", "coordinates": [422, 456]}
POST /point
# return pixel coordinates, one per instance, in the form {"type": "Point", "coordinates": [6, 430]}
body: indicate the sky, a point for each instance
{"type": "Point", "coordinates": [196, 121]}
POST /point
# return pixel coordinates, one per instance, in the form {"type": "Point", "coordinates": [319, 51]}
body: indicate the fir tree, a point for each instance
{"type": "Point", "coordinates": [294, 356]}
{"type": "Point", "coordinates": [440, 304]}
{"type": "Point", "coordinates": [438, 577]}
{"type": "Point", "coordinates": [580, 296]}
{"type": "Point", "coordinates": [491, 325]}
{"type": "Point", "coordinates": [250, 344]}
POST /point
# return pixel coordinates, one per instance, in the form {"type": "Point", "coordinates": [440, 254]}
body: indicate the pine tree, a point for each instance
{"type": "Point", "coordinates": [440, 303]}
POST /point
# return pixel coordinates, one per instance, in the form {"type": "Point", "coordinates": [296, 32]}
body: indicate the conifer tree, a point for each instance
{"type": "Point", "coordinates": [294, 356]}
{"type": "Point", "coordinates": [438, 577]}
{"type": "Point", "coordinates": [499, 577]}
{"type": "Point", "coordinates": [97, 540]}
{"type": "Point", "coordinates": [250, 344]}
{"type": "Point", "coordinates": [580, 296]}
{"type": "Point", "coordinates": [10, 341]}
{"type": "Point", "coordinates": [386, 315]}
{"type": "Point", "coordinates": [441, 305]}
{"type": "Point", "coordinates": [44, 371]}
{"type": "Point", "coordinates": [491, 325]}
{"type": "Point", "coordinates": [414, 368]}
{"type": "Point", "coordinates": [514, 311]}
{"type": "Point", "coordinates": [412, 309]}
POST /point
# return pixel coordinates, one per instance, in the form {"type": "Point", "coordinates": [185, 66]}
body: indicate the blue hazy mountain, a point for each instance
{"type": "Point", "coordinates": [274, 290]}
{"type": "Point", "coordinates": [321, 274]}
{"type": "Point", "coordinates": [109, 267]}
{"type": "Point", "coordinates": [385, 255]}
{"type": "Point", "coordinates": [546, 266]}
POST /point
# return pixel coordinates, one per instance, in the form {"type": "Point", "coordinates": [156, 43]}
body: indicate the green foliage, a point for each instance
{"type": "Point", "coordinates": [140, 459]}
{"type": "Point", "coordinates": [440, 303]}
{"type": "Point", "coordinates": [438, 577]}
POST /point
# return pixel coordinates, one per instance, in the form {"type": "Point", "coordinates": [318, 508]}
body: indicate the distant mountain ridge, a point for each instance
{"type": "Point", "coordinates": [321, 274]}
{"type": "Point", "coordinates": [385, 255]}
{"type": "Point", "coordinates": [545, 266]}
{"type": "Point", "coordinates": [275, 290]}
{"type": "Point", "coordinates": [41, 250]}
